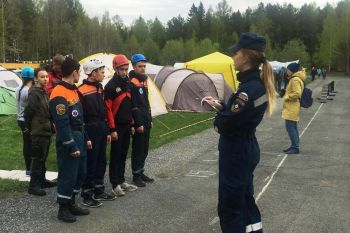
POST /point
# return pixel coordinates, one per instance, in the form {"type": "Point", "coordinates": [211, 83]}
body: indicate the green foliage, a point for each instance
{"type": "Point", "coordinates": [38, 29]}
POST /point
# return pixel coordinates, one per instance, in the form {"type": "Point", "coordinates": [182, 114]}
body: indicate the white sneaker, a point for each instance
{"type": "Point", "coordinates": [128, 187]}
{"type": "Point", "coordinates": [118, 191]}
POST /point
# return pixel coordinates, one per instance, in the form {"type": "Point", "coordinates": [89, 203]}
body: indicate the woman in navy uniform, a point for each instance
{"type": "Point", "coordinates": [236, 122]}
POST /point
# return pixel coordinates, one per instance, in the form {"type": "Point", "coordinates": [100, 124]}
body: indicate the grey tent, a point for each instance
{"type": "Point", "coordinates": [162, 75]}
{"type": "Point", "coordinates": [184, 89]}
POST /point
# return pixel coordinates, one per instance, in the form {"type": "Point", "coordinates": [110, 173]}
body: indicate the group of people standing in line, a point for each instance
{"type": "Point", "coordinates": [85, 119]}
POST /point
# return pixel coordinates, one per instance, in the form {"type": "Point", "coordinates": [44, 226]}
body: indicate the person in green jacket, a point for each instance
{"type": "Point", "coordinates": [37, 121]}
{"type": "Point", "coordinates": [291, 105]}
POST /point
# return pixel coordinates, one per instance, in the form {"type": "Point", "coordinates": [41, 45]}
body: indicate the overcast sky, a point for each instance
{"type": "Point", "coordinates": [129, 10]}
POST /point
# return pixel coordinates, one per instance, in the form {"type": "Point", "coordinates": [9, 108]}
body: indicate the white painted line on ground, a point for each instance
{"type": "Point", "coordinates": [266, 178]}
{"type": "Point", "coordinates": [285, 157]}
{"type": "Point", "coordinates": [210, 160]}
{"type": "Point", "coordinates": [214, 221]}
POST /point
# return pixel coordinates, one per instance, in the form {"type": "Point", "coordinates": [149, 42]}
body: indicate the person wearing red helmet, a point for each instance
{"type": "Point", "coordinates": [119, 117]}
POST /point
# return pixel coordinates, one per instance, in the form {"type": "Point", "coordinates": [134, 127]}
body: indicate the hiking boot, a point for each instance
{"type": "Point", "coordinates": [138, 181]}
{"type": "Point", "coordinates": [104, 197]}
{"type": "Point", "coordinates": [146, 178]}
{"type": "Point", "coordinates": [91, 203]}
{"type": "Point", "coordinates": [78, 211]}
{"type": "Point", "coordinates": [37, 191]}
{"type": "Point", "coordinates": [128, 187]}
{"type": "Point", "coordinates": [48, 184]}
{"type": "Point", "coordinates": [293, 151]}
{"type": "Point", "coordinates": [65, 215]}
{"type": "Point", "coordinates": [118, 191]}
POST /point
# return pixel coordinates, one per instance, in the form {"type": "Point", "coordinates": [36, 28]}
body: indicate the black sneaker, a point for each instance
{"type": "Point", "coordinates": [286, 150]}
{"type": "Point", "coordinates": [91, 203]}
{"type": "Point", "coordinates": [104, 197]}
{"type": "Point", "coordinates": [37, 191]}
{"type": "Point", "coordinates": [65, 215]}
{"type": "Point", "coordinates": [293, 151]}
{"type": "Point", "coordinates": [78, 211]}
{"type": "Point", "coordinates": [147, 179]}
{"type": "Point", "coordinates": [139, 182]}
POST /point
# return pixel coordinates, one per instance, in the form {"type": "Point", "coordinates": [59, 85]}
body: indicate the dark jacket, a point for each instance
{"type": "Point", "coordinates": [66, 111]}
{"type": "Point", "coordinates": [141, 107]}
{"type": "Point", "coordinates": [118, 102]}
{"type": "Point", "coordinates": [36, 113]}
{"type": "Point", "coordinates": [92, 100]}
{"type": "Point", "coordinates": [245, 108]}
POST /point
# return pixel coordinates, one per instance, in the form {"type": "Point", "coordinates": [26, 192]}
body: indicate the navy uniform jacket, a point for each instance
{"type": "Point", "coordinates": [245, 108]}
{"type": "Point", "coordinates": [67, 113]}
{"type": "Point", "coordinates": [141, 106]}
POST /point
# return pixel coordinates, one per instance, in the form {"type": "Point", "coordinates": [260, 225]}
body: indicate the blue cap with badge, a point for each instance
{"type": "Point", "coordinates": [249, 40]}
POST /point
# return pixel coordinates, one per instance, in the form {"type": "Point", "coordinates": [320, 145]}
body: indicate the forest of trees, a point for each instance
{"type": "Point", "coordinates": [38, 29]}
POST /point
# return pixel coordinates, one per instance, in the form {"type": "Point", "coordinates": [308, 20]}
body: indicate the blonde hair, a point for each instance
{"type": "Point", "coordinates": [257, 58]}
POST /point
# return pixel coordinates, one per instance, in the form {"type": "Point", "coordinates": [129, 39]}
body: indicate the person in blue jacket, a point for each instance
{"type": "Point", "coordinates": [236, 123]}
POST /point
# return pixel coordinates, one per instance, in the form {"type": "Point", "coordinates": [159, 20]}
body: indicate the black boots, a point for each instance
{"type": "Point", "coordinates": [35, 186]}
{"type": "Point", "coordinates": [46, 183]}
{"type": "Point", "coordinates": [67, 212]}
{"type": "Point", "coordinates": [65, 215]}
{"type": "Point", "coordinates": [75, 209]}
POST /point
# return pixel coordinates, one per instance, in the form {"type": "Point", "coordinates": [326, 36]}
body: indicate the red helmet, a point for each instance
{"type": "Point", "coordinates": [120, 60]}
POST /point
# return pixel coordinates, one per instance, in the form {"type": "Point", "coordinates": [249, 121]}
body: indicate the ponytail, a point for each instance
{"type": "Point", "coordinates": [257, 58]}
{"type": "Point", "coordinates": [269, 82]}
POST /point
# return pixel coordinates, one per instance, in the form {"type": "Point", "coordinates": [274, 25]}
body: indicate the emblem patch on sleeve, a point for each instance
{"type": "Point", "coordinates": [239, 102]}
{"type": "Point", "coordinates": [60, 109]}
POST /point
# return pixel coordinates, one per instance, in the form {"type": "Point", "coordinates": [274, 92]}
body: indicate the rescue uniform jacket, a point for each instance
{"type": "Point", "coordinates": [66, 112]}
{"type": "Point", "coordinates": [118, 102]}
{"type": "Point", "coordinates": [245, 108]}
{"type": "Point", "coordinates": [291, 99]}
{"type": "Point", "coordinates": [92, 101]}
{"type": "Point", "coordinates": [141, 107]}
{"type": "Point", "coordinates": [36, 113]}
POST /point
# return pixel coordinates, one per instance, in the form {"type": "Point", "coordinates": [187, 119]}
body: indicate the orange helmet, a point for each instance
{"type": "Point", "coordinates": [120, 60]}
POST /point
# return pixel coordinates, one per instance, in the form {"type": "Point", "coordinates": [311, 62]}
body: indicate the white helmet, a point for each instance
{"type": "Point", "coordinates": [92, 65]}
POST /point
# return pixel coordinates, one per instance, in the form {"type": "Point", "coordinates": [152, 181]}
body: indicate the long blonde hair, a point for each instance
{"type": "Point", "coordinates": [257, 58]}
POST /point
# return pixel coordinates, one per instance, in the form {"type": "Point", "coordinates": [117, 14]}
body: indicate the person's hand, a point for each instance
{"type": "Point", "coordinates": [132, 130]}
{"type": "Point", "coordinates": [109, 139]}
{"type": "Point", "coordinates": [114, 136]}
{"type": "Point", "coordinates": [140, 129]}
{"type": "Point", "coordinates": [89, 144]}
{"type": "Point", "coordinates": [75, 154]}
{"type": "Point", "coordinates": [212, 102]}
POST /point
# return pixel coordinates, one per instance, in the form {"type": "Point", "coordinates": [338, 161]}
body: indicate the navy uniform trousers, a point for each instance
{"type": "Point", "coordinates": [238, 157]}
{"type": "Point", "coordinates": [71, 170]}
{"type": "Point", "coordinates": [96, 160]}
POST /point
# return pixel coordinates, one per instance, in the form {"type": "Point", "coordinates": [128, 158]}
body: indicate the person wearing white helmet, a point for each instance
{"type": "Point", "coordinates": [93, 189]}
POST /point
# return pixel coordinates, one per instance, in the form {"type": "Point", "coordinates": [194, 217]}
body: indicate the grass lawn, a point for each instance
{"type": "Point", "coordinates": [164, 131]}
